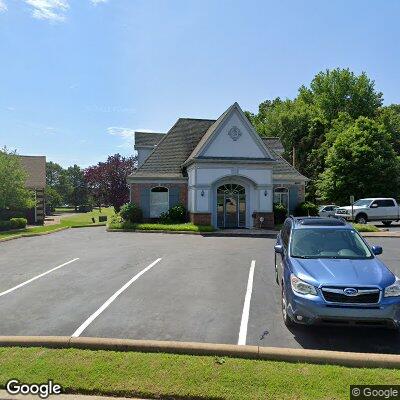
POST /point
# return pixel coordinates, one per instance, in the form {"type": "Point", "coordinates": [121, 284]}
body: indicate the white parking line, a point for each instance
{"type": "Point", "coordinates": [246, 306]}
{"type": "Point", "coordinates": [36, 277]}
{"type": "Point", "coordinates": [79, 331]}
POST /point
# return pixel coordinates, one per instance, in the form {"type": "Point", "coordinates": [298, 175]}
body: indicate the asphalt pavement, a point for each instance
{"type": "Point", "coordinates": [89, 282]}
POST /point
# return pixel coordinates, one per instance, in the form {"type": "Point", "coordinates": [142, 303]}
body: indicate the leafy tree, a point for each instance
{"type": "Point", "coordinates": [340, 90]}
{"type": "Point", "coordinates": [390, 118]}
{"type": "Point", "coordinates": [76, 187]}
{"type": "Point", "coordinates": [53, 174]}
{"type": "Point", "coordinates": [53, 198]}
{"type": "Point", "coordinates": [13, 194]}
{"type": "Point", "coordinates": [360, 162]}
{"type": "Point", "coordinates": [107, 181]}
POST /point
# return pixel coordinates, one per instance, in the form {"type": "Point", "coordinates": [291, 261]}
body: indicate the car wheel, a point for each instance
{"type": "Point", "coordinates": [361, 219]}
{"type": "Point", "coordinates": [286, 318]}
{"type": "Point", "coordinates": [387, 223]}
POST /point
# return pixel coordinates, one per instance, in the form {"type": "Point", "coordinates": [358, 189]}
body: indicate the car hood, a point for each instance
{"type": "Point", "coordinates": [348, 208]}
{"type": "Point", "coordinates": [328, 271]}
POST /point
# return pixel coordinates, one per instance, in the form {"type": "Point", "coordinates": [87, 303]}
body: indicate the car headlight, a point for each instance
{"type": "Point", "coordinates": [301, 287]}
{"type": "Point", "coordinates": [393, 290]}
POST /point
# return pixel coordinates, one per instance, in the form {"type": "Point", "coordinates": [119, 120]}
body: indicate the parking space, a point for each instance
{"type": "Point", "coordinates": [164, 287]}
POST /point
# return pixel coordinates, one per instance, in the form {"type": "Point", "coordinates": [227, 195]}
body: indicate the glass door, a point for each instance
{"type": "Point", "coordinates": [231, 206]}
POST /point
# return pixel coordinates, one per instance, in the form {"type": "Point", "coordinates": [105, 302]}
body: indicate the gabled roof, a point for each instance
{"type": "Point", "coordinates": [187, 137]}
{"type": "Point", "coordinates": [148, 139]}
{"type": "Point", "coordinates": [213, 128]}
{"type": "Point", "coordinates": [35, 167]}
{"type": "Point", "coordinates": [166, 159]}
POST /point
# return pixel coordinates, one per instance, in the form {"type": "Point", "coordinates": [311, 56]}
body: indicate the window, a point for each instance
{"type": "Point", "coordinates": [159, 201]}
{"type": "Point", "coordinates": [281, 196]}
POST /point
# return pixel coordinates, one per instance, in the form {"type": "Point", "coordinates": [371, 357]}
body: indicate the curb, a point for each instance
{"type": "Point", "coordinates": [381, 234]}
{"type": "Point", "coordinates": [34, 234]}
{"type": "Point", "coordinates": [211, 234]}
{"type": "Point", "coordinates": [347, 359]}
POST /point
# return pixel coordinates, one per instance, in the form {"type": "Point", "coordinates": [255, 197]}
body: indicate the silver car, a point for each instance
{"type": "Point", "coordinates": [327, 210]}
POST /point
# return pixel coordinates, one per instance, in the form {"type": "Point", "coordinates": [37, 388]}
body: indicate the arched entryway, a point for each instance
{"type": "Point", "coordinates": [231, 206]}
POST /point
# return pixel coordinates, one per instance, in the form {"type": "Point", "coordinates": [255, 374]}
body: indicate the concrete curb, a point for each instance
{"type": "Point", "coordinates": [347, 359]}
{"type": "Point", "coordinates": [211, 234]}
{"type": "Point", "coordinates": [6, 239]}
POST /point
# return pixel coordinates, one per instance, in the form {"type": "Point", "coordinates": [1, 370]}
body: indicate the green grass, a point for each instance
{"type": "Point", "coordinates": [160, 375]}
{"type": "Point", "coordinates": [365, 228]}
{"type": "Point", "coordinates": [64, 210]}
{"type": "Point", "coordinates": [188, 227]}
{"type": "Point", "coordinates": [85, 219]}
{"type": "Point", "coordinates": [75, 221]}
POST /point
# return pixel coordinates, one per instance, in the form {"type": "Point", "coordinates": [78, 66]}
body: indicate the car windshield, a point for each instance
{"type": "Point", "coordinates": [328, 243]}
{"type": "Point", "coordinates": [362, 203]}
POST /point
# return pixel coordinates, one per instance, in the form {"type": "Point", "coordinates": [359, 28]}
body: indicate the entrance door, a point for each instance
{"type": "Point", "coordinates": [231, 206]}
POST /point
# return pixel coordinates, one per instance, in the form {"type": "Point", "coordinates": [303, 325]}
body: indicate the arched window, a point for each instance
{"type": "Point", "coordinates": [281, 195]}
{"type": "Point", "coordinates": [159, 201]}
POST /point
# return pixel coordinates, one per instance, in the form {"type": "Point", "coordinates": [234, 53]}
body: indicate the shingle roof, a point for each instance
{"type": "Point", "coordinates": [35, 167]}
{"type": "Point", "coordinates": [174, 148]}
{"type": "Point", "coordinates": [188, 135]}
{"type": "Point", "coordinates": [274, 143]}
{"type": "Point", "coordinates": [147, 138]}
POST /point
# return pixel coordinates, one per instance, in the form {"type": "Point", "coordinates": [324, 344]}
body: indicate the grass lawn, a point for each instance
{"type": "Point", "coordinates": [365, 228]}
{"type": "Point", "coordinates": [84, 219]}
{"type": "Point", "coordinates": [81, 219]}
{"type": "Point", "coordinates": [179, 376]}
{"type": "Point", "coordinates": [188, 227]}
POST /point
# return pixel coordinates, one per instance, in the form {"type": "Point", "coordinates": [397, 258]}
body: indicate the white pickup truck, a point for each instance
{"type": "Point", "coordinates": [373, 209]}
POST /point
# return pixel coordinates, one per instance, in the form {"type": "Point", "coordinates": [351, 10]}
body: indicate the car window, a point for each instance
{"type": "Point", "coordinates": [329, 208]}
{"type": "Point", "coordinates": [286, 233]}
{"type": "Point", "coordinates": [328, 243]}
{"type": "Point", "coordinates": [387, 203]}
{"type": "Point", "coordinates": [362, 203]}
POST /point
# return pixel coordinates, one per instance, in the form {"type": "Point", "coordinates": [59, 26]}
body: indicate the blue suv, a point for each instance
{"type": "Point", "coordinates": [329, 275]}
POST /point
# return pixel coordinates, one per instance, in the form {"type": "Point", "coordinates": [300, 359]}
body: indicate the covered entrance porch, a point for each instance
{"type": "Point", "coordinates": [231, 206]}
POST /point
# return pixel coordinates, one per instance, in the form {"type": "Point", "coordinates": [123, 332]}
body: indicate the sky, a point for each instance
{"type": "Point", "coordinates": [78, 77]}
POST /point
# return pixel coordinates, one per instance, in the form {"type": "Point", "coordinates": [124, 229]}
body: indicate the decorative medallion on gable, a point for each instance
{"type": "Point", "coordinates": [234, 133]}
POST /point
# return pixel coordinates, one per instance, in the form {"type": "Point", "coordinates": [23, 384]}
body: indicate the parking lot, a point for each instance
{"type": "Point", "coordinates": [89, 282]}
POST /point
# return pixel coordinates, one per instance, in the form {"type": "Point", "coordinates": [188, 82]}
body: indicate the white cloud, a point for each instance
{"type": "Point", "coordinates": [3, 6]}
{"type": "Point", "coordinates": [95, 2]}
{"type": "Point", "coordinates": [127, 134]}
{"type": "Point", "coordinates": [52, 10]}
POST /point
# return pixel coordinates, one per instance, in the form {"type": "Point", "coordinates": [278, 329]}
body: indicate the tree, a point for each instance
{"type": "Point", "coordinates": [53, 198]}
{"type": "Point", "coordinates": [107, 181]}
{"type": "Point", "coordinates": [76, 187]}
{"type": "Point", "coordinates": [13, 194]}
{"type": "Point", "coordinates": [389, 117]}
{"type": "Point", "coordinates": [340, 90]}
{"type": "Point", "coordinates": [360, 162]}
{"type": "Point", "coordinates": [53, 174]}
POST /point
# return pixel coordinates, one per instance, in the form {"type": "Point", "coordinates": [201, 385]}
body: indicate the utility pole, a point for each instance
{"type": "Point", "coordinates": [294, 157]}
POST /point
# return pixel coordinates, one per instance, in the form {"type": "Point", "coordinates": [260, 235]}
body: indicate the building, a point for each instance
{"type": "Point", "coordinates": [221, 170]}
{"type": "Point", "coordinates": [35, 167]}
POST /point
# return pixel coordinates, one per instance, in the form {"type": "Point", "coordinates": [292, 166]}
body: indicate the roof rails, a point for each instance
{"type": "Point", "coordinates": [319, 221]}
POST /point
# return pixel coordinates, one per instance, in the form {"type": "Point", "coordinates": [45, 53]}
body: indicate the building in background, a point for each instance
{"type": "Point", "coordinates": [35, 167]}
{"type": "Point", "coordinates": [221, 170]}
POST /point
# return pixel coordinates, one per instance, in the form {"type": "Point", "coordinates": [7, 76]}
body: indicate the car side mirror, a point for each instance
{"type": "Point", "coordinates": [278, 248]}
{"type": "Point", "coordinates": [374, 206]}
{"type": "Point", "coordinates": [377, 250]}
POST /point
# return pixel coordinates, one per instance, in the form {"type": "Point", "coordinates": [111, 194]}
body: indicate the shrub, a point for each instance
{"type": "Point", "coordinates": [18, 223]}
{"type": "Point", "coordinates": [306, 209]}
{"type": "Point", "coordinates": [13, 223]}
{"type": "Point", "coordinates": [83, 208]}
{"type": "Point", "coordinates": [131, 213]}
{"type": "Point", "coordinates": [280, 213]}
{"type": "Point", "coordinates": [175, 215]}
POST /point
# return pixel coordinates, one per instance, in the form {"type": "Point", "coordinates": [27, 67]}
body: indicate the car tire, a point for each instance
{"type": "Point", "coordinates": [387, 223]}
{"type": "Point", "coordinates": [286, 318]}
{"type": "Point", "coordinates": [361, 219]}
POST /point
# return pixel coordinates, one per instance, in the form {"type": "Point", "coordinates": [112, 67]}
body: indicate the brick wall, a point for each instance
{"type": "Point", "coordinates": [200, 218]}
{"type": "Point", "coordinates": [136, 189]}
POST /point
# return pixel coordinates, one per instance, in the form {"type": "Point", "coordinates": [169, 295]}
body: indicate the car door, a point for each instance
{"type": "Point", "coordinates": [389, 210]}
{"type": "Point", "coordinates": [375, 211]}
{"type": "Point", "coordinates": [280, 259]}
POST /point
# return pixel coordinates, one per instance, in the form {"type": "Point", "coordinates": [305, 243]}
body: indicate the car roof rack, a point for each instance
{"type": "Point", "coordinates": [320, 221]}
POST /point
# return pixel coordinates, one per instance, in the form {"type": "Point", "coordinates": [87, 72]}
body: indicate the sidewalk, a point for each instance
{"type": "Point", "coordinates": [5, 396]}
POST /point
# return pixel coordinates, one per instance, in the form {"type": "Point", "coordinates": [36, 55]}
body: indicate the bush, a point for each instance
{"type": "Point", "coordinates": [13, 223]}
{"type": "Point", "coordinates": [175, 215]}
{"type": "Point", "coordinates": [18, 223]}
{"type": "Point", "coordinates": [306, 209]}
{"type": "Point", "coordinates": [280, 213]}
{"type": "Point", "coordinates": [83, 208]}
{"type": "Point", "coordinates": [131, 213]}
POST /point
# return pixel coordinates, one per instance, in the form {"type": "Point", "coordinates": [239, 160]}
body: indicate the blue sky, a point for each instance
{"type": "Point", "coordinates": [77, 77]}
